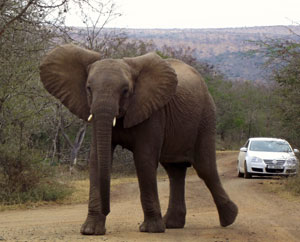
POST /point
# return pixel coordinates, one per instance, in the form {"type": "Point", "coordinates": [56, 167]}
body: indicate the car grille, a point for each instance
{"type": "Point", "coordinates": [274, 170]}
{"type": "Point", "coordinates": [279, 162]}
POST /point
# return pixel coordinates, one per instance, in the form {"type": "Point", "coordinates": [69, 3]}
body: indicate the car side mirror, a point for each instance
{"type": "Point", "coordinates": [296, 151]}
{"type": "Point", "coordinates": [243, 149]}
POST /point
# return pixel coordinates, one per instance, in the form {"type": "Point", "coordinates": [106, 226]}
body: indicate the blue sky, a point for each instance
{"type": "Point", "coordinates": [202, 14]}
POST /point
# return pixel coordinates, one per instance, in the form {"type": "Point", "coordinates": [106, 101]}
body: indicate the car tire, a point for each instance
{"type": "Point", "coordinates": [247, 175]}
{"type": "Point", "coordinates": [239, 173]}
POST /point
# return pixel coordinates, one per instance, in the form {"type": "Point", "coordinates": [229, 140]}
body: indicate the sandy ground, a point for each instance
{"type": "Point", "coordinates": [263, 216]}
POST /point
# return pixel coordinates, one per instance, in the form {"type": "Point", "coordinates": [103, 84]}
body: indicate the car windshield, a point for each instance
{"type": "Point", "coordinates": [270, 146]}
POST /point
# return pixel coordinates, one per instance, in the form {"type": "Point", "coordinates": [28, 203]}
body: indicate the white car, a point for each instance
{"type": "Point", "coordinates": [267, 156]}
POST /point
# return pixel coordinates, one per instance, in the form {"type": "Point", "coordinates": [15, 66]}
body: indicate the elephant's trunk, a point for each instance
{"type": "Point", "coordinates": [103, 130]}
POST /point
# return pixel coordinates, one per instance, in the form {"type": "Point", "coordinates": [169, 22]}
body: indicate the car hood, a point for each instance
{"type": "Point", "coordinates": [271, 155]}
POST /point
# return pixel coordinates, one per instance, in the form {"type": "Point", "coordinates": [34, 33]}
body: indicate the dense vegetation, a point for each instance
{"type": "Point", "coordinates": [37, 133]}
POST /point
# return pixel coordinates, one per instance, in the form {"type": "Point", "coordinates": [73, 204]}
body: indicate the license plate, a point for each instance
{"type": "Point", "coordinates": [275, 167]}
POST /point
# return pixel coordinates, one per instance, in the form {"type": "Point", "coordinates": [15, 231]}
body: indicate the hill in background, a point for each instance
{"type": "Point", "coordinates": [226, 49]}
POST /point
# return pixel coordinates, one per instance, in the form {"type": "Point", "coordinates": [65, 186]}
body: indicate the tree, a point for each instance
{"type": "Point", "coordinates": [16, 15]}
{"type": "Point", "coordinates": [283, 58]}
{"type": "Point", "coordinates": [29, 117]}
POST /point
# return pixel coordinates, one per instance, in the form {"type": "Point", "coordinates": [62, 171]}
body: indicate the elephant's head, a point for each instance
{"type": "Point", "coordinates": [132, 88]}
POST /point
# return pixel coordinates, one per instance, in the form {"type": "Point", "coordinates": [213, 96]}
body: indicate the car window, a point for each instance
{"type": "Point", "coordinates": [247, 144]}
{"type": "Point", "coordinates": [270, 146]}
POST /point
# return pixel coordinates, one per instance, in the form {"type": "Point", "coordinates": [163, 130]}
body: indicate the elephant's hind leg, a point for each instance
{"type": "Point", "coordinates": [175, 216]}
{"type": "Point", "coordinates": [205, 165]}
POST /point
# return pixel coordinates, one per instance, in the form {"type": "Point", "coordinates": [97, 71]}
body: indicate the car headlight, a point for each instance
{"type": "Point", "coordinates": [291, 161]}
{"type": "Point", "coordinates": [255, 159]}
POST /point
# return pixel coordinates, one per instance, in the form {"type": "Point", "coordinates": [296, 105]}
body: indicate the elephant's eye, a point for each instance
{"type": "Point", "coordinates": [89, 90]}
{"type": "Point", "coordinates": [125, 92]}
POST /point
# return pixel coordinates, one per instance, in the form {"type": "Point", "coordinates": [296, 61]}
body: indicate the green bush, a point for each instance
{"type": "Point", "coordinates": [25, 178]}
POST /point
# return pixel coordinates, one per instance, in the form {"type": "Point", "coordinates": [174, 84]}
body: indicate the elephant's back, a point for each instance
{"type": "Point", "coordinates": [188, 78]}
{"type": "Point", "coordinates": [191, 86]}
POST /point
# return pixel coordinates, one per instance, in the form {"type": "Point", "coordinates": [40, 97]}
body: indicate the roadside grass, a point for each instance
{"type": "Point", "coordinates": [287, 188]}
{"type": "Point", "coordinates": [81, 187]}
{"type": "Point", "coordinates": [79, 194]}
{"type": "Point", "coordinates": [293, 185]}
{"type": "Point", "coordinates": [77, 183]}
{"type": "Point", "coordinates": [79, 190]}
{"type": "Point", "coordinates": [122, 173]}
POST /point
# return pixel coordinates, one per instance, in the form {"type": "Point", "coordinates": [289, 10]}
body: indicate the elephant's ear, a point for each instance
{"type": "Point", "coordinates": [155, 83]}
{"type": "Point", "coordinates": [63, 72]}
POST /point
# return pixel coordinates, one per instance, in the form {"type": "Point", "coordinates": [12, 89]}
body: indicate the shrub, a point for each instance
{"type": "Point", "coordinates": [25, 178]}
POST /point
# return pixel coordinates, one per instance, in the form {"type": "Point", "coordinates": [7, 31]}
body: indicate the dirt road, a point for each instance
{"type": "Point", "coordinates": [262, 216]}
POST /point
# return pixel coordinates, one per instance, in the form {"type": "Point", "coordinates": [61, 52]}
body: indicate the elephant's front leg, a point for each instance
{"type": "Point", "coordinates": [146, 166]}
{"type": "Point", "coordinates": [95, 221]}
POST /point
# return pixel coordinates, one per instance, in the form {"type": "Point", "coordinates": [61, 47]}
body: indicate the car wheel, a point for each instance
{"type": "Point", "coordinates": [246, 174]}
{"type": "Point", "coordinates": [239, 173]}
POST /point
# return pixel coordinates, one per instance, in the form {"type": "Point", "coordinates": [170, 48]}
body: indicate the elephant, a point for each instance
{"type": "Point", "coordinates": [160, 109]}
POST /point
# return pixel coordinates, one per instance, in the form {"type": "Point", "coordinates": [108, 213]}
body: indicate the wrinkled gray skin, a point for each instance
{"type": "Point", "coordinates": [164, 114]}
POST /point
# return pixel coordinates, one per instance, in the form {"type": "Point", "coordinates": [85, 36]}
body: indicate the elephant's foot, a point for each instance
{"type": "Point", "coordinates": [94, 225]}
{"type": "Point", "coordinates": [174, 219]}
{"type": "Point", "coordinates": [153, 226]}
{"type": "Point", "coordinates": [227, 213]}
